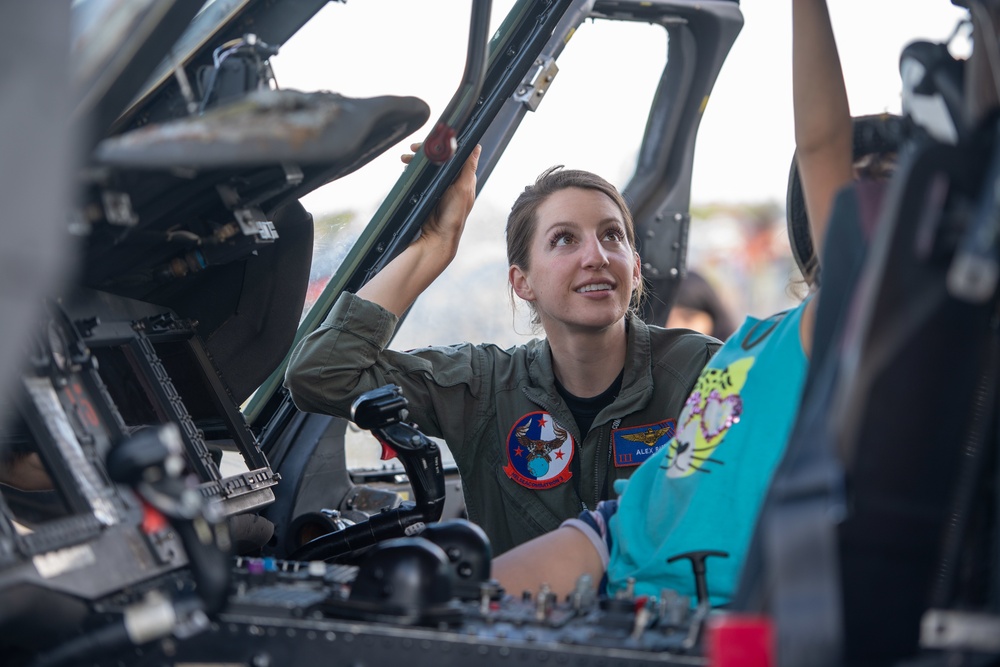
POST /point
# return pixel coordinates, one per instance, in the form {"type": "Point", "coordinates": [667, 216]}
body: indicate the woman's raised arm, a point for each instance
{"type": "Point", "coordinates": [398, 285]}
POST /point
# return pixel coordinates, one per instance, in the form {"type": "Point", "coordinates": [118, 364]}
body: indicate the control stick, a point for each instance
{"type": "Point", "coordinates": [383, 411]}
{"type": "Point", "coordinates": [697, 559]}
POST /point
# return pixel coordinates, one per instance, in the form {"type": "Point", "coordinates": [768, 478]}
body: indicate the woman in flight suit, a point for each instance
{"type": "Point", "coordinates": [542, 430]}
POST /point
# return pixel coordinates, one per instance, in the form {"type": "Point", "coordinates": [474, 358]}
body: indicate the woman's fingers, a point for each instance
{"type": "Point", "coordinates": [407, 158]}
{"type": "Point", "coordinates": [456, 202]}
{"type": "Point", "coordinates": [470, 165]}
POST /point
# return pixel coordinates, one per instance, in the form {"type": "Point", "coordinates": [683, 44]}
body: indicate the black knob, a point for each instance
{"type": "Point", "coordinates": [468, 551]}
{"type": "Point", "coordinates": [143, 453]}
{"type": "Point", "coordinates": [405, 577]}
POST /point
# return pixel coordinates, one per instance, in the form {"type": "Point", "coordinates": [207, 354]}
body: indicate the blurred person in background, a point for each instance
{"type": "Point", "coordinates": [699, 307]}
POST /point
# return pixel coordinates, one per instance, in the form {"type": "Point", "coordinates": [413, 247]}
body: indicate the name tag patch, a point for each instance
{"type": "Point", "coordinates": [633, 445]}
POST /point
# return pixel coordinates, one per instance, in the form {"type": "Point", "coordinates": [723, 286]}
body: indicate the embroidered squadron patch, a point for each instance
{"type": "Point", "coordinates": [635, 444]}
{"type": "Point", "coordinates": [538, 452]}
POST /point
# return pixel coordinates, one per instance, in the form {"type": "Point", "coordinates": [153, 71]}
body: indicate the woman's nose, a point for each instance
{"type": "Point", "coordinates": [594, 254]}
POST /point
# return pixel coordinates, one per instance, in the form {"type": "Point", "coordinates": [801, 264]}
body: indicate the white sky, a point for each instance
{"type": "Point", "coordinates": [595, 113]}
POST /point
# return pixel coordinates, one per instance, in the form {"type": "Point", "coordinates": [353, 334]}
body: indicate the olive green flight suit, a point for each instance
{"type": "Point", "coordinates": [473, 396]}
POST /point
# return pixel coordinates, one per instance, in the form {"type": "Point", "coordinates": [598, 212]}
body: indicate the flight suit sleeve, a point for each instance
{"type": "Point", "coordinates": [346, 357]}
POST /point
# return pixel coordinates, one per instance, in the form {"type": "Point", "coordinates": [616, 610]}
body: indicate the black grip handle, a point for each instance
{"type": "Point", "coordinates": [697, 559]}
{"type": "Point", "coordinates": [421, 459]}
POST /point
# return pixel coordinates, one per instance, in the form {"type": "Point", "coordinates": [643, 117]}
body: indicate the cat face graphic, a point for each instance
{"type": "Point", "coordinates": [711, 410]}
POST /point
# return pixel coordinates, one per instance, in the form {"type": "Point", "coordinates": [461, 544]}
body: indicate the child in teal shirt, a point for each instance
{"type": "Point", "coordinates": [705, 487]}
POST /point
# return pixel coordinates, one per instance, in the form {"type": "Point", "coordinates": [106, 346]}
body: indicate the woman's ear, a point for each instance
{"type": "Point", "coordinates": [637, 270]}
{"type": "Point", "coordinates": [519, 282]}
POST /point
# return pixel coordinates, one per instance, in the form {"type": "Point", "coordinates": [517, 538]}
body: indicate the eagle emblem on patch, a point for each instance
{"type": "Point", "coordinates": [635, 444]}
{"type": "Point", "coordinates": [539, 451]}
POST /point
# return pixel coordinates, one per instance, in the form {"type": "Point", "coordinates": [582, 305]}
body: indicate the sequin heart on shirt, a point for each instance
{"type": "Point", "coordinates": [720, 413]}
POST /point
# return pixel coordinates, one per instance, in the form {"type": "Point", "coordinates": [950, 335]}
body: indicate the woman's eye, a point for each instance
{"type": "Point", "coordinates": [615, 235]}
{"type": "Point", "coordinates": [563, 238]}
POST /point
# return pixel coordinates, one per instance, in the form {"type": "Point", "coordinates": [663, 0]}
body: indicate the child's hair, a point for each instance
{"type": "Point", "coordinates": [876, 141]}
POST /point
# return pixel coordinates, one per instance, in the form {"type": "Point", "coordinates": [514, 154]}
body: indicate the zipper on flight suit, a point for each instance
{"type": "Point", "coordinates": [607, 469]}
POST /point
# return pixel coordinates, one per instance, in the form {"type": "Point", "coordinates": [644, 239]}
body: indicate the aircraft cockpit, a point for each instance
{"type": "Point", "coordinates": [163, 501]}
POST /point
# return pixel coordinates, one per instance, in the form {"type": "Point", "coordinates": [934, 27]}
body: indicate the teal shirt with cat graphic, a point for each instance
{"type": "Point", "coordinates": [704, 489]}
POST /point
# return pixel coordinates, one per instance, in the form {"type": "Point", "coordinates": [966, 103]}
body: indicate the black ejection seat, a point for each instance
{"type": "Point", "coordinates": [870, 519]}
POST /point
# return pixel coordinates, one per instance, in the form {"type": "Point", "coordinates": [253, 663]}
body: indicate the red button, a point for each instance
{"type": "Point", "coordinates": [739, 640]}
{"type": "Point", "coordinates": [152, 520]}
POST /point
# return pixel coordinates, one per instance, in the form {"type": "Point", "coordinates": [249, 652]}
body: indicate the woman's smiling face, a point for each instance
{"type": "Point", "coordinates": [582, 269]}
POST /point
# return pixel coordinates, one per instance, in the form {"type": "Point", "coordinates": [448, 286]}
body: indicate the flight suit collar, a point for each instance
{"type": "Point", "coordinates": [637, 383]}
